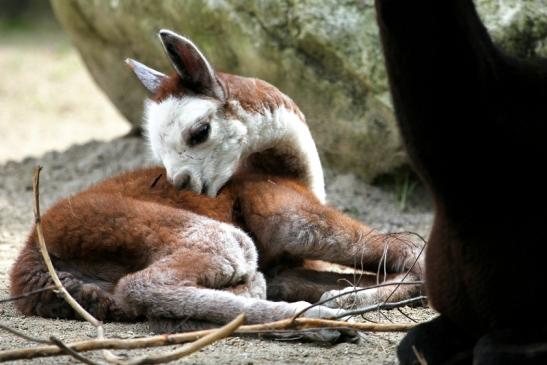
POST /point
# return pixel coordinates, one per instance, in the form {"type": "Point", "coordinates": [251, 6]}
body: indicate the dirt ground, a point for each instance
{"type": "Point", "coordinates": [48, 103]}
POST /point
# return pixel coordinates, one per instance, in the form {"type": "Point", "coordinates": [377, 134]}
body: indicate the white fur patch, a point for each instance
{"type": "Point", "coordinates": [282, 129]}
{"type": "Point", "coordinates": [299, 142]}
{"type": "Point", "coordinates": [212, 163]}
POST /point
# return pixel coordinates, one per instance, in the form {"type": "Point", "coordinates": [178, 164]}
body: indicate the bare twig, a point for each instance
{"type": "Point", "coordinates": [71, 352]}
{"type": "Point", "coordinates": [413, 264]}
{"type": "Point", "coordinates": [164, 340]}
{"type": "Point", "coordinates": [384, 305]}
{"type": "Point", "coordinates": [52, 340]}
{"type": "Point", "coordinates": [189, 348]}
{"type": "Point", "coordinates": [306, 323]}
{"type": "Point", "coordinates": [47, 260]}
{"type": "Point", "coordinates": [406, 315]}
{"type": "Point", "coordinates": [24, 335]}
{"type": "Point", "coordinates": [24, 295]}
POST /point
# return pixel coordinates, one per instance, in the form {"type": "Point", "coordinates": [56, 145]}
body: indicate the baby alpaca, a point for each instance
{"type": "Point", "coordinates": [148, 244]}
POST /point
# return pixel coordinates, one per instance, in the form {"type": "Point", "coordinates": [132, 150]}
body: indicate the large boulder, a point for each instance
{"type": "Point", "coordinates": [325, 54]}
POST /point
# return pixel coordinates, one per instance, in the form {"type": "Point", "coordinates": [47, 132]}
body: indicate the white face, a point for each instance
{"type": "Point", "coordinates": [199, 148]}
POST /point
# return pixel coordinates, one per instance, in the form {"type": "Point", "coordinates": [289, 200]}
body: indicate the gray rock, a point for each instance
{"type": "Point", "coordinates": [517, 26]}
{"type": "Point", "coordinates": [325, 54]}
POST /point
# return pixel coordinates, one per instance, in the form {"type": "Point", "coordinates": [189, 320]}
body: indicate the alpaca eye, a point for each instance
{"type": "Point", "coordinates": [199, 134]}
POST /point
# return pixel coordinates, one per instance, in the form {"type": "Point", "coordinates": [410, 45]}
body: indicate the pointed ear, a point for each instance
{"type": "Point", "coordinates": [150, 78]}
{"type": "Point", "coordinates": [193, 68]}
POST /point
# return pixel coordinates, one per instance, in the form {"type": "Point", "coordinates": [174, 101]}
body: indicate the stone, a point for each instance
{"type": "Point", "coordinates": [326, 55]}
{"type": "Point", "coordinates": [517, 26]}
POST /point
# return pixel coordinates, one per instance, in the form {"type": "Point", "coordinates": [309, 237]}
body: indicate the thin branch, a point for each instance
{"type": "Point", "coordinates": [52, 340]}
{"type": "Point", "coordinates": [321, 302]}
{"type": "Point", "coordinates": [164, 340]}
{"type": "Point", "coordinates": [24, 335]}
{"type": "Point", "coordinates": [71, 352]}
{"type": "Point", "coordinates": [28, 294]}
{"type": "Point", "coordinates": [189, 348]}
{"type": "Point", "coordinates": [379, 306]}
{"type": "Point", "coordinates": [406, 315]}
{"type": "Point", "coordinates": [47, 260]}
{"type": "Point", "coordinates": [413, 264]}
{"type": "Point", "coordinates": [383, 315]}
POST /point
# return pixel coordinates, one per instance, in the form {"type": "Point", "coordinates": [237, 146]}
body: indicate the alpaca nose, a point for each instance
{"type": "Point", "coordinates": [181, 180]}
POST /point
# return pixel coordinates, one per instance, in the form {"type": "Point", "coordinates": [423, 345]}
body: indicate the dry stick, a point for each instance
{"type": "Point", "coordinates": [189, 348]}
{"type": "Point", "coordinates": [71, 352]}
{"type": "Point", "coordinates": [28, 294]}
{"type": "Point", "coordinates": [24, 335]}
{"type": "Point", "coordinates": [412, 266]}
{"type": "Point", "coordinates": [384, 305]}
{"type": "Point", "coordinates": [408, 271]}
{"type": "Point", "coordinates": [47, 260]}
{"type": "Point", "coordinates": [406, 315]}
{"type": "Point", "coordinates": [164, 340]}
{"type": "Point", "coordinates": [52, 340]}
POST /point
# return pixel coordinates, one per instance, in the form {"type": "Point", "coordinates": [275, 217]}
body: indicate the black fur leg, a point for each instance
{"type": "Point", "coordinates": [438, 341]}
{"type": "Point", "coordinates": [516, 346]}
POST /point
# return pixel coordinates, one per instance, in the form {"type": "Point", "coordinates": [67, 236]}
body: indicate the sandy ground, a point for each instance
{"type": "Point", "coordinates": [47, 102]}
{"type": "Point", "coordinates": [47, 99]}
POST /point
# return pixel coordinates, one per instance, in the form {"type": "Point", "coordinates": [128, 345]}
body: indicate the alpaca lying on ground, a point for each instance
{"type": "Point", "coordinates": [148, 244]}
{"type": "Point", "coordinates": [474, 122]}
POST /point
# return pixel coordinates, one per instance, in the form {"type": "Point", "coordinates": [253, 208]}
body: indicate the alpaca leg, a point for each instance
{"type": "Point", "coordinates": [286, 221]}
{"type": "Point", "coordinates": [357, 296]}
{"type": "Point", "coordinates": [301, 284]}
{"type": "Point", "coordinates": [173, 301]}
{"type": "Point", "coordinates": [195, 282]}
{"type": "Point", "coordinates": [298, 283]}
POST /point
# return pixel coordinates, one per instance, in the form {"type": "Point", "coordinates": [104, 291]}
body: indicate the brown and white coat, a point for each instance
{"type": "Point", "coordinates": [138, 245]}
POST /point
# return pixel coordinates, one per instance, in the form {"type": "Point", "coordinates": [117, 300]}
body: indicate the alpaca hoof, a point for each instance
{"type": "Point", "coordinates": [437, 342]}
{"type": "Point", "coordinates": [514, 346]}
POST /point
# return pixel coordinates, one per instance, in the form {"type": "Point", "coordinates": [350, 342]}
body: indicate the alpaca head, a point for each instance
{"type": "Point", "coordinates": [187, 124]}
{"type": "Point", "coordinates": [203, 126]}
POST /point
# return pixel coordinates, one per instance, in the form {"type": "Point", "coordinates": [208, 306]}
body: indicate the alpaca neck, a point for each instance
{"type": "Point", "coordinates": [279, 142]}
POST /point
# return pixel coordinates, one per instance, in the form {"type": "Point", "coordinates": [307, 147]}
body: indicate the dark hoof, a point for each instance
{"type": "Point", "coordinates": [438, 342]}
{"type": "Point", "coordinates": [512, 347]}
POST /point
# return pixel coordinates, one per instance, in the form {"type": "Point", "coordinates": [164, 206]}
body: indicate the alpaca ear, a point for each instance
{"type": "Point", "coordinates": [150, 78]}
{"type": "Point", "coordinates": [193, 68]}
